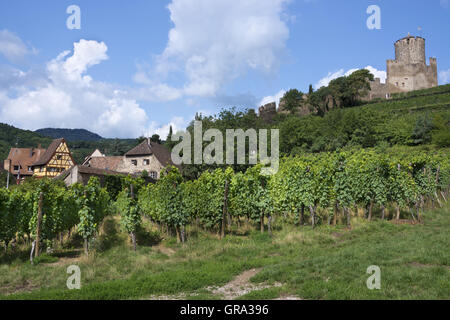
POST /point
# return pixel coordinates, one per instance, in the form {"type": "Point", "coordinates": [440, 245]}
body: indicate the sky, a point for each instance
{"type": "Point", "coordinates": [138, 67]}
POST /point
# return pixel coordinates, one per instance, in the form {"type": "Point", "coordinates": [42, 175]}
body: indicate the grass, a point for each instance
{"type": "Point", "coordinates": [325, 263]}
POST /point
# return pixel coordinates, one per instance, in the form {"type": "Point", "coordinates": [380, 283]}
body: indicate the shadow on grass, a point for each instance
{"type": "Point", "coordinates": [148, 238]}
{"type": "Point", "coordinates": [67, 254]}
{"type": "Point", "coordinates": [22, 254]}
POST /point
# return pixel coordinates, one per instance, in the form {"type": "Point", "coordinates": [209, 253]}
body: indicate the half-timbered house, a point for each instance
{"type": "Point", "coordinates": [56, 159]}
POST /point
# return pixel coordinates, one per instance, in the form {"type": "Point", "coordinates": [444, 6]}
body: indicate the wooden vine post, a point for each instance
{"type": "Point", "coordinates": [397, 204]}
{"type": "Point", "coordinates": [39, 221]}
{"type": "Point", "coordinates": [133, 234]}
{"type": "Point", "coordinates": [225, 209]}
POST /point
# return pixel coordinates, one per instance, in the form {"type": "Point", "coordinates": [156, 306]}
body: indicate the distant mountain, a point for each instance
{"type": "Point", "coordinates": [69, 134]}
{"type": "Point", "coordinates": [12, 137]}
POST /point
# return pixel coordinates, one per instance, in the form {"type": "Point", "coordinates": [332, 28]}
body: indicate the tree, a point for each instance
{"type": "Point", "coordinates": [156, 138]}
{"type": "Point", "coordinates": [292, 99]}
{"type": "Point", "coordinates": [422, 130]}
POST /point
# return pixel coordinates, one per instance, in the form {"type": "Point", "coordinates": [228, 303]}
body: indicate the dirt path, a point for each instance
{"type": "Point", "coordinates": [240, 286]}
{"type": "Point", "coordinates": [237, 287]}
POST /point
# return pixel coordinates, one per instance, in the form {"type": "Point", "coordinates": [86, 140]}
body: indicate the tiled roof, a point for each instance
{"type": "Point", "coordinates": [98, 172]}
{"type": "Point", "coordinates": [88, 170]}
{"type": "Point", "coordinates": [148, 147]}
{"type": "Point", "coordinates": [46, 157]}
{"type": "Point", "coordinates": [143, 149]}
{"type": "Point", "coordinates": [25, 157]}
{"type": "Point", "coordinates": [107, 163]}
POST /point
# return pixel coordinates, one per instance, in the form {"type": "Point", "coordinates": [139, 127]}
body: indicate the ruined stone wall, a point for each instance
{"type": "Point", "coordinates": [303, 108]}
{"type": "Point", "coordinates": [268, 111]}
{"type": "Point", "coordinates": [377, 90]}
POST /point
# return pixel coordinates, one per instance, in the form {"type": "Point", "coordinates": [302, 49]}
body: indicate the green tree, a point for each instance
{"type": "Point", "coordinates": [292, 99]}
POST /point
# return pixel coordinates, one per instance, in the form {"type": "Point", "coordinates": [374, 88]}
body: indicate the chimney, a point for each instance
{"type": "Point", "coordinates": [31, 152]}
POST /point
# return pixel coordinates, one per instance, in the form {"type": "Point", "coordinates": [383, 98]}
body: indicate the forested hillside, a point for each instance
{"type": "Point", "coordinates": [11, 137]}
{"type": "Point", "coordinates": [69, 134]}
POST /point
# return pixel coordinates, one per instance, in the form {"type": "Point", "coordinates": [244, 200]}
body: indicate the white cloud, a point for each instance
{"type": "Point", "coordinates": [444, 76]}
{"type": "Point", "coordinates": [275, 98]}
{"type": "Point", "coordinates": [177, 123]}
{"type": "Point", "coordinates": [213, 42]}
{"type": "Point", "coordinates": [340, 73]}
{"type": "Point", "coordinates": [65, 96]}
{"type": "Point", "coordinates": [12, 47]}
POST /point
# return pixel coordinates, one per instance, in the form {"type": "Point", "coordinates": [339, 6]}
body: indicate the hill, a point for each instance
{"type": "Point", "coordinates": [11, 136]}
{"type": "Point", "coordinates": [69, 134]}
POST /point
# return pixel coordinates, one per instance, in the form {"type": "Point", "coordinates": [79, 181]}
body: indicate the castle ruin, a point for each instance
{"type": "Point", "coordinates": [408, 72]}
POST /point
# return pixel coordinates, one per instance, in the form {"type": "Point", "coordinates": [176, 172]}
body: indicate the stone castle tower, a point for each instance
{"type": "Point", "coordinates": [409, 71]}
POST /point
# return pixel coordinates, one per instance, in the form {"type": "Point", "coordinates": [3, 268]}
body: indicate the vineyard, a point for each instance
{"type": "Point", "coordinates": [327, 188]}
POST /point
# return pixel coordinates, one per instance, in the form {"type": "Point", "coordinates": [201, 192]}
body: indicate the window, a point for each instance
{"type": "Point", "coordinates": [154, 175]}
{"type": "Point", "coordinates": [403, 84]}
{"type": "Point", "coordinates": [30, 169]}
{"type": "Point", "coordinates": [134, 162]}
{"type": "Point", "coordinates": [146, 162]}
{"type": "Point", "coordinates": [396, 84]}
{"type": "Point", "coordinates": [41, 169]}
{"type": "Point", "coordinates": [16, 168]}
{"type": "Point", "coordinates": [58, 157]}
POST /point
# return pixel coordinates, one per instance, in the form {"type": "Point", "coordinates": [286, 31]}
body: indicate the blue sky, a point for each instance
{"type": "Point", "coordinates": [135, 68]}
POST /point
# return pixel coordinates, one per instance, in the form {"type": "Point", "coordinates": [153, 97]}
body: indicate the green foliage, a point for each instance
{"type": "Point", "coordinates": [292, 99]}
{"type": "Point", "coordinates": [248, 194]}
{"type": "Point", "coordinates": [422, 130]}
{"type": "Point", "coordinates": [94, 206]}
{"type": "Point", "coordinates": [163, 201]}
{"type": "Point", "coordinates": [129, 211]}
{"type": "Point", "coordinates": [113, 185]}
{"type": "Point", "coordinates": [69, 134]}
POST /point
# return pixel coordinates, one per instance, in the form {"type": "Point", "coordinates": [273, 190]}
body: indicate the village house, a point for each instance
{"type": "Point", "coordinates": [148, 156]}
{"type": "Point", "coordinates": [20, 161]}
{"type": "Point", "coordinates": [96, 154]}
{"type": "Point", "coordinates": [56, 159]}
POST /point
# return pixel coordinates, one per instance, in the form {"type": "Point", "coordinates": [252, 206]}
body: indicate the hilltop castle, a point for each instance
{"type": "Point", "coordinates": [408, 72]}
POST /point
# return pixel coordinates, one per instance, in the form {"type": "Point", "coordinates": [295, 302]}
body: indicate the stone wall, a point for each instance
{"type": "Point", "coordinates": [378, 90]}
{"type": "Point", "coordinates": [127, 166]}
{"type": "Point", "coordinates": [268, 111]}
